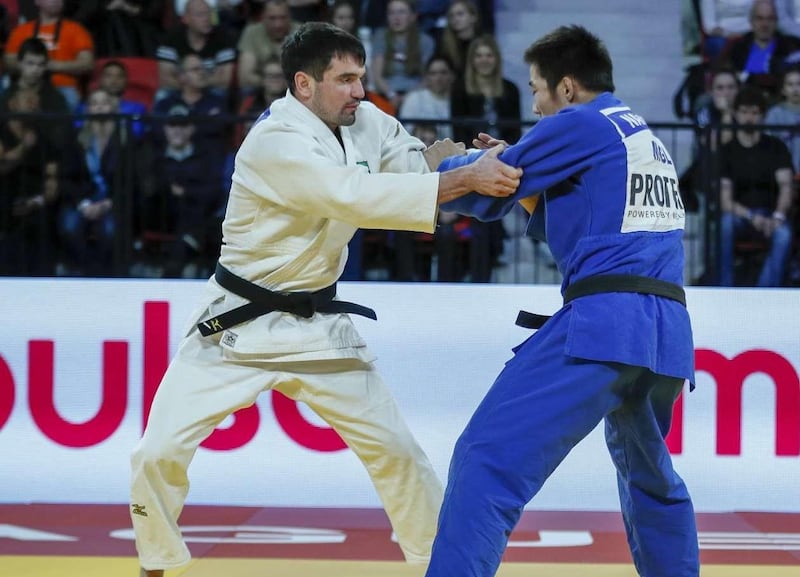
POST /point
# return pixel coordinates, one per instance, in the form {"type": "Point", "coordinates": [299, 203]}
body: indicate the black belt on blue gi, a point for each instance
{"type": "Point", "coordinates": [608, 283]}
{"type": "Point", "coordinates": [263, 301]}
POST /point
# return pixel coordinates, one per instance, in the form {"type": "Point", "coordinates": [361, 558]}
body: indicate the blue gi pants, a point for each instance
{"type": "Point", "coordinates": [541, 405]}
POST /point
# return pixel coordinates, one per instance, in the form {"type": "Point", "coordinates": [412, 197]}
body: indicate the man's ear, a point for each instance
{"type": "Point", "coordinates": [567, 88]}
{"type": "Point", "coordinates": [303, 85]}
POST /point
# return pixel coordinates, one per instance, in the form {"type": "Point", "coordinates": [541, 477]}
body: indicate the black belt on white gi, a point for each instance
{"type": "Point", "coordinates": [608, 283]}
{"type": "Point", "coordinates": [263, 301]}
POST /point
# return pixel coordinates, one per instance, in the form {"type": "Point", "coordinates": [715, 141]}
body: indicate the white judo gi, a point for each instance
{"type": "Point", "coordinates": [296, 200]}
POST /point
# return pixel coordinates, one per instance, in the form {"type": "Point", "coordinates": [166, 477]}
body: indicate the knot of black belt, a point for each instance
{"type": "Point", "coordinates": [263, 301]}
{"type": "Point", "coordinates": [608, 283]}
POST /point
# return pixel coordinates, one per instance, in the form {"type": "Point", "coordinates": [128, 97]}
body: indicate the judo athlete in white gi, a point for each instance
{"type": "Point", "coordinates": [604, 192]}
{"type": "Point", "coordinates": [321, 164]}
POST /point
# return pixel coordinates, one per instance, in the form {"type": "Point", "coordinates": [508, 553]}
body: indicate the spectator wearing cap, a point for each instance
{"type": "Point", "coordinates": [183, 193]}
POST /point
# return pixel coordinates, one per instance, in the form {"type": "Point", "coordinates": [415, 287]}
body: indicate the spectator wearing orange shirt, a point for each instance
{"type": "Point", "coordinates": [69, 45]}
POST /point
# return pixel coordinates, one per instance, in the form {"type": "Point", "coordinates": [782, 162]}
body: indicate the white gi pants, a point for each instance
{"type": "Point", "coordinates": [200, 389]}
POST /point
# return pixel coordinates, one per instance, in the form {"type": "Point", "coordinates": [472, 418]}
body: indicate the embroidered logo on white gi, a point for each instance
{"type": "Point", "coordinates": [365, 164]}
{"type": "Point", "coordinates": [229, 339]}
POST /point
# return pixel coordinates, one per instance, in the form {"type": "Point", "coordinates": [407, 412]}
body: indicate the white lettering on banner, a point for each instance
{"type": "Point", "coordinates": [557, 539]}
{"type": "Point", "coordinates": [25, 534]}
{"type": "Point", "coordinates": [250, 534]}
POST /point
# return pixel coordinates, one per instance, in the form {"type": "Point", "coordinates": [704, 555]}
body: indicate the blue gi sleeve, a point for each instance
{"type": "Point", "coordinates": [558, 147]}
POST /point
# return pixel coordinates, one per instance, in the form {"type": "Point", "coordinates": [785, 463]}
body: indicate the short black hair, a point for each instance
{"type": "Point", "coordinates": [313, 46]}
{"type": "Point", "coordinates": [750, 95]}
{"type": "Point", "coordinates": [572, 51]}
{"type": "Point", "coordinates": [114, 64]}
{"type": "Point", "coordinates": [32, 46]}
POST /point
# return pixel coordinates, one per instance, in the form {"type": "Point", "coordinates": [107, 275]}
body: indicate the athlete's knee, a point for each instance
{"type": "Point", "coordinates": [150, 453]}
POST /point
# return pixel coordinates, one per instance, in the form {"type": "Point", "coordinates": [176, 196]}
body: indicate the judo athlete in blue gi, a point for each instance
{"type": "Point", "coordinates": [606, 198]}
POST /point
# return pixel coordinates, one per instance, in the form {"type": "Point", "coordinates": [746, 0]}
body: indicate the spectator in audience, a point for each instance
{"type": "Point", "coordinates": [92, 184]}
{"type": "Point", "coordinates": [759, 56]}
{"type": "Point", "coordinates": [197, 35]}
{"type": "Point", "coordinates": [273, 86]}
{"type": "Point", "coordinates": [342, 13]}
{"type": "Point", "coordinates": [717, 107]}
{"type": "Point", "coordinates": [194, 93]}
{"type": "Point", "coordinates": [29, 184]}
{"type": "Point", "coordinates": [486, 95]}
{"type": "Point", "coordinates": [463, 26]}
{"type": "Point", "coordinates": [714, 112]}
{"type": "Point", "coordinates": [121, 28]}
{"type": "Point", "coordinates": [188, 191]}
{"type": "Point", "coordinates": [755, 191]}
{"type": "Point", "coordinates": [399, 52]}
{"type": "Point", "coordinates": [230, 14]}
{"type": "Point", "coordinates": [723, 20]}
{"type": "Point", "coordinates": [787, 113]}
{"type": "Point", "coordinates": [69, 44]}
{"type": "Point", "coordinates": [32, 75]}
{"type": "Point", "coordinates": [113, 79]}
{"type": "Point", "coordinates": [433, 101]}
{"type": "Point", "coordinates": [262, 40]}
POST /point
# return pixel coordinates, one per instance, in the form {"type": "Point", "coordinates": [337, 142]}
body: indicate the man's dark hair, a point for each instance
{"type": "Point", "coordinates": [750, 95]}
{"type": "Point", "coordinates": [114, 64]}
{"type": "Point", "coordinates": [572, 51]}
{"type": "Point", "coordinates": [440, 57]}
{"type": "Point", "coordinates": [313, 46]}
{"type": "Point", "coordinates": [32, 46]}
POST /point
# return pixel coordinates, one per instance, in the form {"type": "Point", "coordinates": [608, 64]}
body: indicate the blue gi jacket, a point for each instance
{"type": "Point", "coordinates": [611, 206]}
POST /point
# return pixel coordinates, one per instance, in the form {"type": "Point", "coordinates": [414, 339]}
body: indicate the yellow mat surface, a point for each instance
{"type": "Point", "coordinates": [23, 566]}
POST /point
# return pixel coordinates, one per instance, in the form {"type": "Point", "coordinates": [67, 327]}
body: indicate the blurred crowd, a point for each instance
{"type": "Point", "coordinates": [120, 120]}
{"type": "Point", "coordinates": [742, 92]}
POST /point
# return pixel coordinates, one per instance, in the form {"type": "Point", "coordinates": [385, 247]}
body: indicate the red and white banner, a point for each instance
{"type": "Point", "coordinates": [80, 361]}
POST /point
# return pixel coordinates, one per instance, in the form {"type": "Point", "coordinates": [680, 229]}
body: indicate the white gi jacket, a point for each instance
{"type": "Point", "coordinates": [296, 200]}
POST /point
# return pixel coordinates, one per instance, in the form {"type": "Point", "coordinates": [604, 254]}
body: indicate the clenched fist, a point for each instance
{"type": "Point", "coordinates": [441, 149]}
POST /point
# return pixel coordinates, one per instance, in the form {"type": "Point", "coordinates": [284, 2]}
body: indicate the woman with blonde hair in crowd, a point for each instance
{"type": "Point", "coordinates": [400, 51]}
{"type": "Point", "coordinates": [463, 26]}
{"type": "Point", "coordinates": [484, 101]}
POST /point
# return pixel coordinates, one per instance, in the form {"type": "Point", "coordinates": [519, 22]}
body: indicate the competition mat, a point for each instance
{"type": "Point", "coordinates": [75, 540]}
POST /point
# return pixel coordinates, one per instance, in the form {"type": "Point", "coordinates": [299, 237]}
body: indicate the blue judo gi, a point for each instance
{"type": "Point", "coordinates": [609, 205]}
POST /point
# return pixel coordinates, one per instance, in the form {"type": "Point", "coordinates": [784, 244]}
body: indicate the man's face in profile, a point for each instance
{"type": "Point", "coordinates": [336, 97]}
